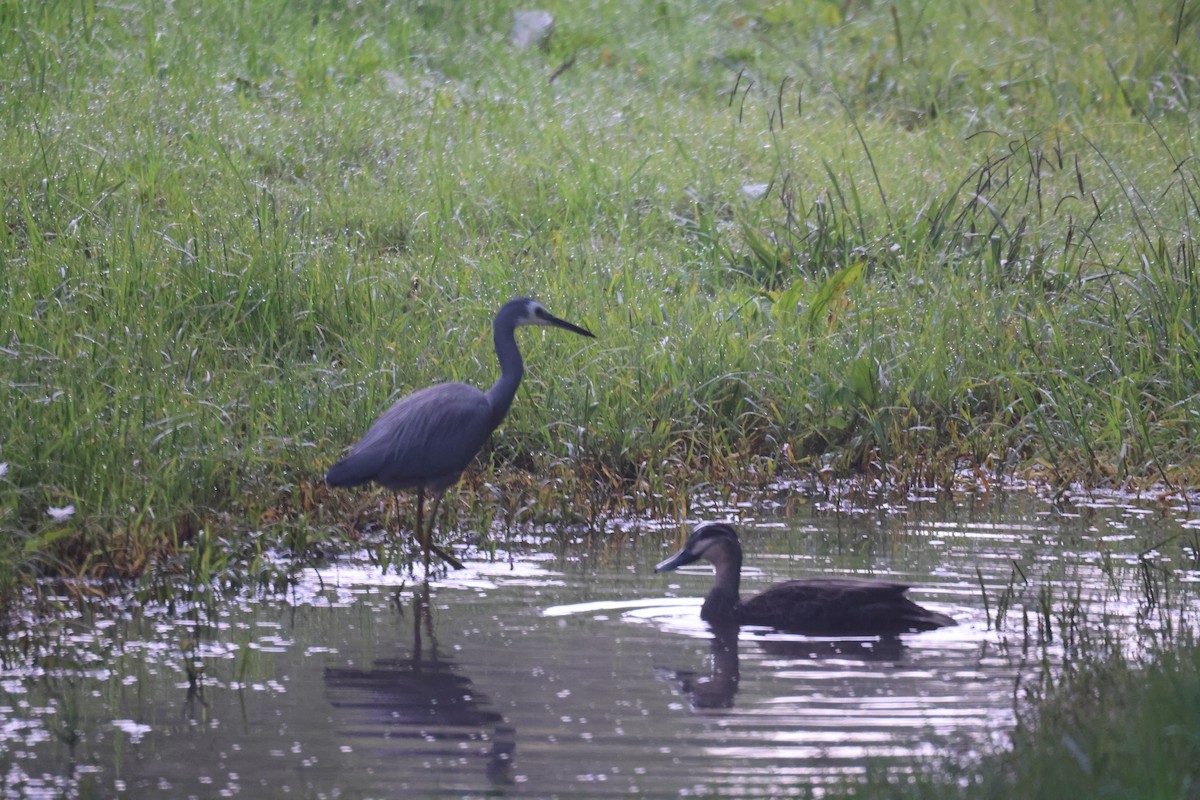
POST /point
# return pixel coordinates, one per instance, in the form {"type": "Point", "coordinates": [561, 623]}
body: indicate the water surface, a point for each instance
{"type": "Point", "coordinates": [567, 668]}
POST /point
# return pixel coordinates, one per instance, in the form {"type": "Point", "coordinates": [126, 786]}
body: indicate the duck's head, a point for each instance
{"type": "Point", "coordinates": [715, 542]}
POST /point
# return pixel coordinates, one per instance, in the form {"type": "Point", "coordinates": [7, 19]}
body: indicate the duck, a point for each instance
{"type": "Point", "coordinates": [827, 606]}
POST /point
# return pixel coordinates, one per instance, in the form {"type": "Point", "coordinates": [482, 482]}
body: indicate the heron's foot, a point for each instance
{"type": "Point", "coordinates": [442, 554]}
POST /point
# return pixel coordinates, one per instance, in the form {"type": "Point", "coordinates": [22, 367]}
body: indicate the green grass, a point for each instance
{"type": "Point", "coordinates": [1108, 729]}
{"type": "Point", "coordinates": [234, 231]}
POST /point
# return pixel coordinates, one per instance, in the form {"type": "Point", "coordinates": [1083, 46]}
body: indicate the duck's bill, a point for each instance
{"type": "Point", "coordinates": [549, 319]}
{"type": "Point", "coordinates": [680, 559]}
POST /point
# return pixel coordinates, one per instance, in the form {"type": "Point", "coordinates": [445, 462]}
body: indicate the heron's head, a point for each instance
{"type": "Point", "coordinates": [531, 312]}
{"type": "Point", "coordinates": [715, 541]}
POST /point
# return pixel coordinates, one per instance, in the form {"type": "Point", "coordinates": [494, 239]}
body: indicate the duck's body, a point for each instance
{"type": "Point", "coordinates": [815, 606]}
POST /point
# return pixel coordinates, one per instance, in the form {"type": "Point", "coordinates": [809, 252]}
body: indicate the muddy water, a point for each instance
{"type": "Point", "coordinates": [570, 669]}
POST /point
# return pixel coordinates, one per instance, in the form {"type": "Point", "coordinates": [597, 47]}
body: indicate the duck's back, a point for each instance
{"type": "Point", "coordinates": [839, 607]}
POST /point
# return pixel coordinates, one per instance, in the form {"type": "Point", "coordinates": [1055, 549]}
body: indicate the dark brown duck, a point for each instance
{"type": "Point", "coordinates": [814, 606]}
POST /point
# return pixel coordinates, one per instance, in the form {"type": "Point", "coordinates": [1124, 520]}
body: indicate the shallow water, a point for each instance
{"type": "Point", "coordinates": [570, 669]}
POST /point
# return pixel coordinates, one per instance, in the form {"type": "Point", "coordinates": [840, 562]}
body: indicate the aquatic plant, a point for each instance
{"type": "Point", "coordinates": [1107, 727]}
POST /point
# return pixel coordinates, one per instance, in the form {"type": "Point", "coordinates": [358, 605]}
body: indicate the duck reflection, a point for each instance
{"type": "Point", "coordinates": [421, 705]}
{"type": "Point", "coordinates": [717, 689]}
{"type": "Point", "coordinates": [883, 649]}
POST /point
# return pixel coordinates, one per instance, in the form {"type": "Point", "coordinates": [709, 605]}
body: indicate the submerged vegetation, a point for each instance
{"type": "Point", "coordinates": [815, 239]}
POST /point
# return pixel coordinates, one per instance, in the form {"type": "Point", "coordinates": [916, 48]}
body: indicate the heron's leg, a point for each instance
{"type": "Point", "coordinates": [443, 554]}
{"type": "Point", "coordinates": [421, 534]}
{"type": "Point", "coordinates": [437, 501]}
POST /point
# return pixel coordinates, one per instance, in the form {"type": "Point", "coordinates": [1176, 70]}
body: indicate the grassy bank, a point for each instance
{"type": "Point", "coordinates": [1109, 729]}
{"type": "Point", "coordinates": [865, 238]}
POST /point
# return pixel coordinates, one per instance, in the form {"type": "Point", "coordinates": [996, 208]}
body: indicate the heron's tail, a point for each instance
{"type": "Point", "coordinates": [350, 471]}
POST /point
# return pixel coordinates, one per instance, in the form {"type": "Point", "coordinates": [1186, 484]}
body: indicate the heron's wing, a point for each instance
{"type": "Point", "coordinates": [425, 439]}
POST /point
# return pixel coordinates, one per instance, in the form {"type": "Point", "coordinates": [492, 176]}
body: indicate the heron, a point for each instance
{"type": "Point", "coordinates": [428, 438]}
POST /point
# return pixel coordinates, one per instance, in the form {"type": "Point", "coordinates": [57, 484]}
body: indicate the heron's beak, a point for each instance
{"type": "Point", "coordinates": [680, 559]}
{"type": "Point", "coordinates": [546, 318]}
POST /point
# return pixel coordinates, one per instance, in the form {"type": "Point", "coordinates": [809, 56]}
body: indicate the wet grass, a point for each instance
{"type": "Point", "coordinates": [1105, 713]}
{"type": "Point", "coordinates": [815, 239]}
{"type": "Point", "coordinates": [1107, 728]}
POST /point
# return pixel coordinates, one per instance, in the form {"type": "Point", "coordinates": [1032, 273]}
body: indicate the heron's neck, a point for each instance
{"type": "Point", "coordinates": [512, 369]}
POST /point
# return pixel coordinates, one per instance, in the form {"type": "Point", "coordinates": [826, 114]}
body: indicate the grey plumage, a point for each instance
{"type": "Point", "coordinates": [816, 606]}
{"type": "Point", "coordinates": [426, 439]}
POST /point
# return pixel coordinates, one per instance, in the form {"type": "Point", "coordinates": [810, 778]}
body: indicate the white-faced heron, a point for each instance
{"type": "Point", "coordinates": [426, 440]}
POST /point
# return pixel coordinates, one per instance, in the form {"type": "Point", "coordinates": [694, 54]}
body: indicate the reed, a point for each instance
{"type": "Point", "coordinates": [1108, 727]}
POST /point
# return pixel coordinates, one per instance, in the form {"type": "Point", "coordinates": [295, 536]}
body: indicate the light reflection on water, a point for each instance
{"type": "Point", "coordinates": [574, 670]}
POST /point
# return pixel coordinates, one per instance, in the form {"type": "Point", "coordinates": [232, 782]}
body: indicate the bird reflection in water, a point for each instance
{"type": "Point", "coordinates": [717, 689]}
{"type": "Point", "coordinates": [421, 706]}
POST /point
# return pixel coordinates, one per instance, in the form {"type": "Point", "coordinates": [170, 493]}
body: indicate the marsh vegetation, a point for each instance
{"type": "Point", "coordinates": [916, 246]}
{"type": "Point", "coordinates": [820, 238]}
